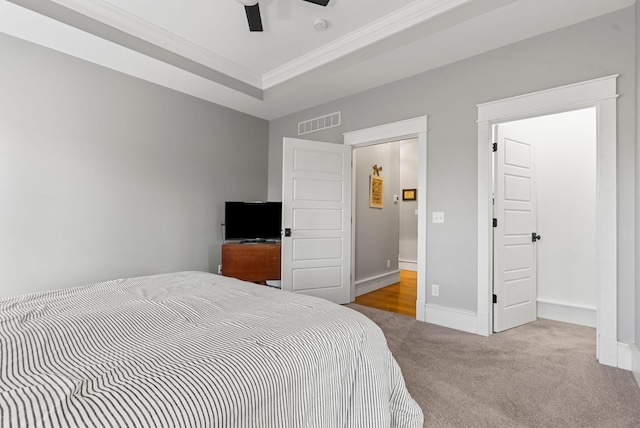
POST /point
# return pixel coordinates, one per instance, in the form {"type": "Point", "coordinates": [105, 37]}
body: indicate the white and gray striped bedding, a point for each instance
{"type": "Point", "coordinates": [194, 349]}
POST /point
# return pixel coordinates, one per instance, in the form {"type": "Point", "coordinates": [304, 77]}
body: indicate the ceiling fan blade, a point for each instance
{"type": "Point", "coordinates": [320, 2]}
{"type": "Point", "coordinates": [253, 17]}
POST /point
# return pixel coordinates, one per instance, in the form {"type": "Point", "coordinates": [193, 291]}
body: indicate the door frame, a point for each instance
{"type": "Point", "coordinates": [396, 131]}
{"type": "Point", "coordinates": [599, 93]}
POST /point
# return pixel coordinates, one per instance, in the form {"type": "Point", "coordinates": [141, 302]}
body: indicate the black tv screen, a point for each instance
{"type": "Point", "coordinates": [252, 221]}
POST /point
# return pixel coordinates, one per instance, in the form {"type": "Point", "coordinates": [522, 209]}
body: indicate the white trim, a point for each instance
{"type": "Point", "coordinates": [567, 97]}
{"type": "Point", "coordinates": [131, 24]}
{"type": "Point", "coordinates": [457, 319]}
{"type": "Point", "coordinates": [564, 312]}
{"type": "Point", "coordinates": [635, 362]}
{"type": "Point", "coordinates": [607, 352]}
{"type": "Point", "coordinates": [382, 28]}
{"type": "Point", "coordinates": [410, 128]}
{"type": "Point", "coordinates": [411, 265]}
{"type": "Point", "coordinates": [599, 93]}
{"type": "Point", "coordinates": [377, 282]}
{"type": "Point", "coordinates": [625, 357]}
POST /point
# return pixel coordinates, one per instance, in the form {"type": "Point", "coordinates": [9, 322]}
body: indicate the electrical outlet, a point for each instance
{"type": "Point", "coordinates": [435, 290]}
{"type": "Point", "coordinates": [388, 264]}
{"type": "Point", "coordinates": [219, 269]}
{"type": "Point", "coordinates": [438, 217]}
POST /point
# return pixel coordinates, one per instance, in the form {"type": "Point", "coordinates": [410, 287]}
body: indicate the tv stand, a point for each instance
{"type": "Point", "coordinates": [258, 262]}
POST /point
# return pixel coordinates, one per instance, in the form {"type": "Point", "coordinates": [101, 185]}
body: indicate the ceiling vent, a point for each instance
{"type": "Point", "coordinates": [319, 123]}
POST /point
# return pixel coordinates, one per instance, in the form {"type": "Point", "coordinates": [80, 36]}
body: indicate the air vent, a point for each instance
{"type": "Point", "coordinates": [319, 123]}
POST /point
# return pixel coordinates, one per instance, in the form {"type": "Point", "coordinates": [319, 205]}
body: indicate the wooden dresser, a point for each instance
{"type": "Point", "coordinates": [251, 262]}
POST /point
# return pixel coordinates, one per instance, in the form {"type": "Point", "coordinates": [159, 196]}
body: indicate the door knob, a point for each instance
{"type": "Point", "coordinates": [535, 237]}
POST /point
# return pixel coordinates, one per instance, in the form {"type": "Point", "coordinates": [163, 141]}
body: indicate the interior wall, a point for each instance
{"type": "Point", "coordinates": [409, 158]}
{"type": "Point", "coordinates": [565, 156]}
{"type": "Point", "coordinates": [377, 229]}
{"type": "Point", "coordinates": [637, 199]}
{"type": "Point", "coordinates": [449, 95]}
{"type": "Point", "coordinates": [105, 176]}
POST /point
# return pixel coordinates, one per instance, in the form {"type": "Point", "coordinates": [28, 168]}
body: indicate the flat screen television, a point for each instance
{"type": "Point", "coordinates": [252, 221]}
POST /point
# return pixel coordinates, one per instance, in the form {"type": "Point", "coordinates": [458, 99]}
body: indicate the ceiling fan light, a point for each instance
{"type": "Point", "coordinates": [248, 2]}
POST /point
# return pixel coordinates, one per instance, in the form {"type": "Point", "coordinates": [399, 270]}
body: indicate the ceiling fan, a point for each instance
{"type": "Point", "coordinates": [252, 8]}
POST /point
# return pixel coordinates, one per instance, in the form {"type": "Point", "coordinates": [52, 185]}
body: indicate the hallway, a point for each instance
{"type": "Point", "coordinates": [399, 298]}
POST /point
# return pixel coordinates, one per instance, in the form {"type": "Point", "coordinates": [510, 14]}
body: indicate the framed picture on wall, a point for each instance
{"type": "Point", "coordinates": [376, 192]}
{"type": "Point", "coordinates": [408, 194]}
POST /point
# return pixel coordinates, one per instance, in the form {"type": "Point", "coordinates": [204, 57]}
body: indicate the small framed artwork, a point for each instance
{"type": "Point", "coordinates": [376, 192]}
{"type": "Point", "coordinates": [408, 194]}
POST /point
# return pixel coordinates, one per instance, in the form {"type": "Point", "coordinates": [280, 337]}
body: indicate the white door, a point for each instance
{"type": "Point", "coordinates": [514, 253]}
{"type": "Point", "coordinates": [316, 219]}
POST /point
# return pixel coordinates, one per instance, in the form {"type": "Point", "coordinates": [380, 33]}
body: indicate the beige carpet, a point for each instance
{"type": "Point", "coordinates": [543, 374]}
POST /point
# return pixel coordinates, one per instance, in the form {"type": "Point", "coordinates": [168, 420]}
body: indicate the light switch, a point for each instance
{"type": "Point", "coordinates": [438, 217]}
{"type": "Point", "coordinates": [416, 211]}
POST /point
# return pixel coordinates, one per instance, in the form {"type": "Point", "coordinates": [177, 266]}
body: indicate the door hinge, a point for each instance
{"type": "Point", "coordinates": [495, 222]}
{"type": "Point", "coordinates": [495, 299]}
{"type": "Point", "coordinates": [495, 147]}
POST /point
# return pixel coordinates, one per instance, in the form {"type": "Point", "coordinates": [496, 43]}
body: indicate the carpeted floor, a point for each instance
{"type": "Point", "coordinates": [542, 374]}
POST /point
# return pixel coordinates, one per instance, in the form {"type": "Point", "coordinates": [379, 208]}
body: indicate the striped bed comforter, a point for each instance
{"type": "Point", "coordinates": [193, 349]}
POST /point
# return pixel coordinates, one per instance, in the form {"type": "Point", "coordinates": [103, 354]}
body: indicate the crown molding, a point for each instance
{"type": "Point", "coordinates": [413, 14]}
{"type": "Point", "coordinates": [402, 19]}
{"type": "Point", "coordinates": [120, 19]}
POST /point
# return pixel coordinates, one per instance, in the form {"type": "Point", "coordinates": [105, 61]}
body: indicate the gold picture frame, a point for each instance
{"type": "Point", "coordinates": [376, 192]}
{"type": "Point", "coordinates": [408, 194]}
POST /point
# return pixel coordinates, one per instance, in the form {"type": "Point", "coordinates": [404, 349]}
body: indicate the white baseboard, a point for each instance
{"type": "Point", "coordinates": [482, 324]}
{"type": "Point", "coordinates": [573, 314]}
{"type": "Point", "coordinates": [625, 358]}
{"type": "Point", "coordinates": [635, 362]}
{"type": "Point", "coordinates": [608, 351]}
{"type": "Point", "coordinates": [420, 310]}
{"type": "Point", "coordinates": [457, 319]}
{"type": "Point", "coordinates": [411, 265]}
{"type": "Point", "coordinates": [377, 282]}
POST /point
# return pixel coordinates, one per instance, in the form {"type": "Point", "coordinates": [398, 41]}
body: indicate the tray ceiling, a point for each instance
{"type": "Point", "coordinates": [204, 48]}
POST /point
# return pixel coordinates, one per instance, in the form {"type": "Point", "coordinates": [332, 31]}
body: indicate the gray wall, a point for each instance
{"type": "Point", "coordinates": [408, 218]}
{"type": "Point", "coordinates": [637, 17]}
{"type": "Point", "coordinates": [377, 229]}
{"type": "Point", "coordinates": [449, 95]}
{"type": "Point", "coordinates": [104, 176]}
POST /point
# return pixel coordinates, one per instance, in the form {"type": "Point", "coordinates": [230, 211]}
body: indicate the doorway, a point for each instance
{"type": "Point", "coordinates": [386, 243]}
{"type": "Point", "coordinates": [599, 93]}
{"type": "Point", "coordinates": [545, 232]}
{"type": "Point", "coordinates": [411, 128]}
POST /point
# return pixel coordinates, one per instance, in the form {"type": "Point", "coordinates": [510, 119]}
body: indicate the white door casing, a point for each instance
{"type": "Point", "coordinates": [602, 94]}
{"type": "Point", "coordinates": [514, 254]}
{"type": "Point", "coordinates": [316, 209]}
{"type": "Point", "coordinates": [396, 131]}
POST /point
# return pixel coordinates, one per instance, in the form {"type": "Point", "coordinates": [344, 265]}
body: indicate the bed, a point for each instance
{"type": "Point", "coordinates": [193, 349]}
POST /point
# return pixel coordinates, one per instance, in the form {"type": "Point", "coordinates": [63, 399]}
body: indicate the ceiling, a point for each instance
{"type": "Point", "coordinates": [204, 48]}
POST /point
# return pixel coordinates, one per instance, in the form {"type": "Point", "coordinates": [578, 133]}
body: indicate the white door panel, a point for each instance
{"type": "Point", "coordinates": [517, 222]}
{"type": "Point", "coordinates": [316, 208]}
{"type": "Point", "coordinates": [317, 161]}
{"type": "Point", "coordinates": [317, 190]}
{"type": "Point", "coordinates": [312, 219]}
{"type": "Point", "coordinates": [515, 264]}
{"type": "Point", "coordinates": [318, 249]}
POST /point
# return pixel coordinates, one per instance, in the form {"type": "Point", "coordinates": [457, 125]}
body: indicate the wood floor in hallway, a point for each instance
{"type": "Point", "coordinates": [399, 297]}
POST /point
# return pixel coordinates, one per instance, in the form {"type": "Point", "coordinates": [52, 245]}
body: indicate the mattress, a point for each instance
{"type": "Point", "coordinates": [193, 349]}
